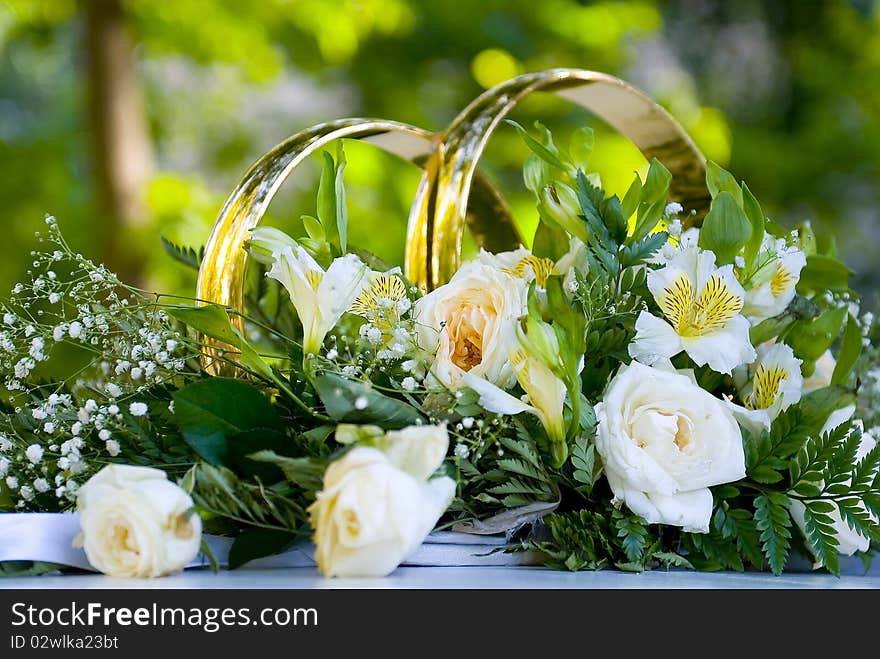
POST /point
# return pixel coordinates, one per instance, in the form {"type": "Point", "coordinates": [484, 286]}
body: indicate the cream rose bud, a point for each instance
{"type": "Point", "coordinates": [370, 514]}
{"type": "Point", "coordinates": [469, 324]}
{"type": "Point", "coordinates": [136, 523]}
{"type": "Point", "coordinates": [664, 441]}
{"type": "Point", "coordinates": [822, 373]}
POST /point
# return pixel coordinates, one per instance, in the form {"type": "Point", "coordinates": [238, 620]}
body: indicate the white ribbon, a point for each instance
{"type": "Point", "coordinates": [48, 538]}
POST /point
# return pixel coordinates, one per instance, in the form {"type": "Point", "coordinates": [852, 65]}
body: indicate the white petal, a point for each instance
{"type": "Point", "coordinates": [723, 350]}
{"type": "Point", "coordinates": [344, 281]}
{"type": "Point", "coordinates": [493, 398]}
{"type": "Point", "coordinates": [655, 340]}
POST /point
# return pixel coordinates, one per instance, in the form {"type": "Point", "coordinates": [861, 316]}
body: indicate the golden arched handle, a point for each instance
{"type": "Point", "coordinates": [222, 274]}
{"type": "Point", "coordinates": [437, 216]}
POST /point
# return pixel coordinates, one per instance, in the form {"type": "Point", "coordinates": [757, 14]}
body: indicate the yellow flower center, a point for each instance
{"type": "Point", "coordinates": [781, 281]}
{"type": "Point", "coordinates": [378, 302]}
{"type": "Point", "coordinates": [314, 278]}
{"type": "Point", "coordinates": [768, 380]}
{"type": "Point", "coordinates": [542, 268]}
{"type": "Point", "coordinates": [696, 316]}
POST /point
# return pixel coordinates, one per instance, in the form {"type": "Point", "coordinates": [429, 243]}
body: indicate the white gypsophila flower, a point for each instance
{"type": "Point", "coordinates": [76, 428]}
{"type": "Point", "coordinates": [12, 482]}
{"type": "Point", "coordinates": [48, 427]}
{"type": "Point", "coordinates": [349, 371]}
{"type": "Point", "coordinates": [461, 451]}
{"type": "Point", "coordinates": [41, 485]}
{"type": "Point", "coordinates": [9, 318]}
{"type": "Point", "coordinates": [113, 409]}
{"type": "Point", "coordinates": [332, 354]}
{"type": "Point", "coordinates": [4, 466]}
{"type": "Point", "coordinates": [112, 447]}
{"type": "Point", "coordinates": [75, 330]}
{"type": "Point", "coordinates": [104, 434]}
{"type": "Point", "coordinates": [113, 389]}
{"type": "Point", "coordinates": [34, 453]}
{"type": "Point", "coordinates": [26, 493]}
{"type": "Point", "coordinates": [409, 383]}
{"type": "Point", "coordinates": [701, 307]}
{"type": "Point", "coordinates": [38, 413]}
{"type": "Point", "coordinates": [138, 409]}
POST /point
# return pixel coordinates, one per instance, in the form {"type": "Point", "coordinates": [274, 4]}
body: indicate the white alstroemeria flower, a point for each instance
{"type": "Point", "coordinates": [545, 393]}
{"type": "Point", "coordinates": [572, 261]}
{"type": "Point", "coordinates": [265, 242]}
{"type": "Point", "coordinates": [521, 263]}
{"type": "Point", "coordinates": [701, 305]}
{"type": "Point", "coordinates": [775, 284]}
{"type": "Point", "coordinates": [773, 384]}
{"type": "Point", "coordinates": [320, 297]}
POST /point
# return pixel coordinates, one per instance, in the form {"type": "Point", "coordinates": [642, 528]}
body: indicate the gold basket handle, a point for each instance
{"type": "Point", "coordinates": [437, 216]}
{"type": "Point", "coordinates": [222, 274]}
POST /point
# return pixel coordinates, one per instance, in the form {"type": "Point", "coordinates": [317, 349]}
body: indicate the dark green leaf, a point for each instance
{"type": "Point", "coordinates": [306, 472]}
{"type": "Point", "coordinates": [207, 419]}
{"type": "Point", "coordinates": [756, 218]}
{"type": "Point", "coordinates": [550, 242]}
{"type": "Point", "coordinates": [255, 543]}
{"type": "Point", "coordinates": [720, 180]}
{"type": "Point", "coordinates": [350, 401]}
{"type": "Point", "coordinates": [185, 255]}
{"type": "Point", "coordinates": [773, 522]}
{"type": "Point", "coordinates": [821, 273]}
{"type": "Point", "coordinates": [850, 350]}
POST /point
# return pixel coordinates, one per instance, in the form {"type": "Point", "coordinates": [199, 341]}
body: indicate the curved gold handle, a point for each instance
{"type": "Point", "coordinates": [437, 216]}
{"type": "Point", "coordinates": [222, 274]}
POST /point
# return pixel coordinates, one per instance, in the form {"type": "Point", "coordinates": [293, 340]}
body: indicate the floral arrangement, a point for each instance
{"type": "Point", "coordinates": [641, 388]}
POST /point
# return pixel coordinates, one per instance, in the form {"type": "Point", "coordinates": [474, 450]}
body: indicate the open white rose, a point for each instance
{"type": "Point", "coordinates": [848, 541]}
{"type": "Point", "coordinates": [664, 441]}
{"type": "Point", "coordinates": [469, 324]}
{"type": "Point", "coordinates": [375, 509]}
{"type": "Point", "coordinates": [137, 523]}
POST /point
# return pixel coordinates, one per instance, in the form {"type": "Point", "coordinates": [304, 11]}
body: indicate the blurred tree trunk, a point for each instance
{"type": "Point", "coordinates": [121, 149]}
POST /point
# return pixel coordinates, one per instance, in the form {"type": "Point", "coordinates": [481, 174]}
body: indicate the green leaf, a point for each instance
{"type": "Point", "coordinates": [652, 202]}
{"type": "Point", "coordinates": [349, 401]}
{"type": "Point", "coordinates": [631, 199]}
{"type": "Point", "coordinates": [774, 523]}
{"type": "Point", "coordinates": [642, 250]}
{"type": "Point", "coordinates": [719, 180]}
{"type": "Point", "coordinates": [850, 350]}
{"type": "Point", "coordinates": [810, 339]}
{"type": "Point", "coordinates": [549, 242]}
{"type": "Point", "coordinates": [313, 227]}
{"type": "Point", "coordinates": [332, 210]}
{"type": "Point", "coordinates": [207, 419]}
{"type": "Point", "coordinates": [821, 536]}
{"type": "Point", "coordinates": [821, 273]}
{"type": "Point", "coordinates": [726, 229]}
{"type": "Point", "coordinates": [580, 146]}
{"type": "Point", "coordinates": [633, 534]}
{"type": "Point", "coordinates": [253, 543]}
{"type": "Point", "coordinates": [185, 255]}
{"type": "Point", "coordinates": [755, 215]}
{"type": "Point", "coordinates": [306, 472]}
{"type": "Point", "coordinates": [549, 153]}
{"type": "Point", "coordinates": [670, 559]}
{"type": "Point", "coordinates": [213, 320]}
{"type": "Point", "coordinates": [583, 460]}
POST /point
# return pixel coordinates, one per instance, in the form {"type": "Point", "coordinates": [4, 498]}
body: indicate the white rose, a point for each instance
{"type": "Point", "coordinates": [469, 324]}
{"type": "Point", "coordinates": [664, 441]}
{"type": "Point", "coordinates": [375, 509]}
{"type": "Point", "coordinates": [848, 541]}
{"type": "Point", "coordinates": [137, 523]}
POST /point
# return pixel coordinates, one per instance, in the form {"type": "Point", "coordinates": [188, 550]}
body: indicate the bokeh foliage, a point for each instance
{"type": "Point", "coordinates": [782, 93]}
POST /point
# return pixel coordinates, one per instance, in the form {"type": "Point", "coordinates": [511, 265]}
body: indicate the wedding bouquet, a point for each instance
{"type": "Point", "coordinates": [643, 387]}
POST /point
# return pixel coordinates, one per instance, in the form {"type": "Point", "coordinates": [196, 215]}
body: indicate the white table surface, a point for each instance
{"type": "Point", "coordinates": [452, 577]}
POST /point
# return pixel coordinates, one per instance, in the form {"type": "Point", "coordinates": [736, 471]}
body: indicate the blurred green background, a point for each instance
{"type": "Point", "coordinates": [128, 119]}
